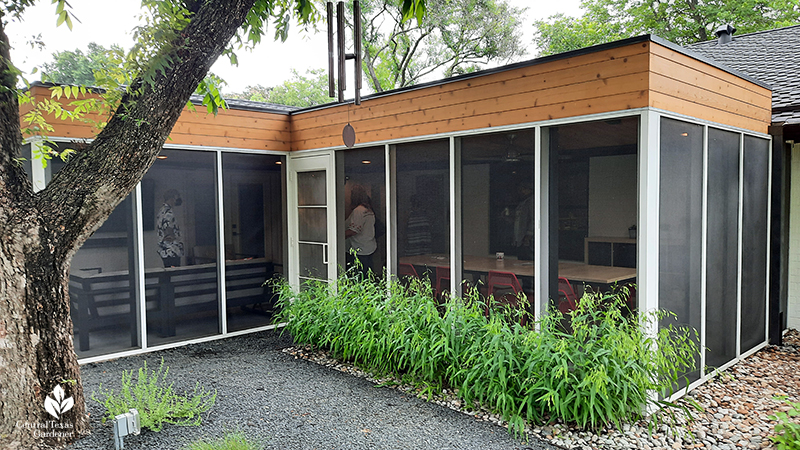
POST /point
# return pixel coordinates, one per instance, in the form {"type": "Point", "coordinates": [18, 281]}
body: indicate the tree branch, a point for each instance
{"type": "Point", "coordinates": [85, 192]}
{"type": "Point", "coordinates": [14, 184]}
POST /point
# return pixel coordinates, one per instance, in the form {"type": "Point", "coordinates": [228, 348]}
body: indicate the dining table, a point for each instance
{"type": "Point", "coordinates": [573, 271]}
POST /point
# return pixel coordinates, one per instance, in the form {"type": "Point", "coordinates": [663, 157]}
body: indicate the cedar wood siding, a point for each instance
{"type": "Point", "coordinates": [610, 80]}
{"type": "Point", "coordinates": [687, 86]}
{"type": "Point", "coordinates": [619, 78]}
{"type": "Point", "coordinates": [231, 128]}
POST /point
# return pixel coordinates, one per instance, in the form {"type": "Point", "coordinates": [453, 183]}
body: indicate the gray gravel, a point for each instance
{"type": "Point", "coordinates": [288, 403]}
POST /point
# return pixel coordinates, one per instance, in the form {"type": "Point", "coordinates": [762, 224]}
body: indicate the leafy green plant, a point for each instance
{"type": "Point", "coordinates": [787, 432]}
{"type": "Point", "coordinates": [155, 400]}
{"type": "Point", "coordinates": [598, 370]}
{"type": "Point", "coordinates": [231, 441]}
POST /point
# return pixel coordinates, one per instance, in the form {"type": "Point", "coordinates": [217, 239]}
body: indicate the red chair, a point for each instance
{"type": "Point", "coordinates": [405, 270]}
{"type": "Point", "coordinates": [406, 274]}
{"type": "Point", "coordinates": [442, 280]}
{"type": "Point", "coordinates": [568, 301]}
{"type": "Point", "coordinates": [504, 280]}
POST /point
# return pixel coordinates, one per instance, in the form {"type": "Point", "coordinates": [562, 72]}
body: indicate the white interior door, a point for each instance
{"type": "Point", "coordinates": [312, 219]}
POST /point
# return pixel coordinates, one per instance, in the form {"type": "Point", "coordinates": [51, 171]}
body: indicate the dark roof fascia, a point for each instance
{"type": "Point", "coordinates": [198, 101]}
{"type": "Point", "coordinates": [249, 105]}
{"type": "Point", "coordinates": [546, 59]}
{"type": "Point", "coordinates": [47, 84]}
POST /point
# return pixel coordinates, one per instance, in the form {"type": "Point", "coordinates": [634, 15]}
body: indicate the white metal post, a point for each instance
{"type": "Point", "coordinates": [387, 170]}
{"type": "Point", "coordinates": [769, 232]}
{"type": "Point", "coordinates": [38, 171]}
{"type": "Point", "coordinates": [704, 254]}
{"type": "Point", "coordinates": [138, 240]}
{"type": "Point", "coordinates": [648, 230]}
{"type": "Point", "coordinates": [739, 251]}
{"type": "Point", "coordinates": [649, 204]}
{"type": "Point", "coordinates": [540, 205]}
{"type": "Point", "coordinates": [221, 288]}
{"type": "Point", "coordinates": [455, 217]}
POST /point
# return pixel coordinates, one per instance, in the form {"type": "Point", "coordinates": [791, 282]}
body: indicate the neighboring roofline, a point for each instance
{"type": "Point", "coordinates": [546, 59]}
{"type": "Point", "coordinates": [735, 36]}
{"type": "Point", "coordinates": [47, 84]}
{"type": "Point", "coordinates": [239, 105]}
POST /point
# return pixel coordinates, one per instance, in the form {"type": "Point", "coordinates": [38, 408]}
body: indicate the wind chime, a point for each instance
{"type": "Point", "coordinates": [348, 134]}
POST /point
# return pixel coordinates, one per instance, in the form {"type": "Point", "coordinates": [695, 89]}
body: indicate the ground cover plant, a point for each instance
{"type": "Point", "coordinates": [154, 399]}
{"type": "Point", "coordinates": [231, 441]}
{"type": "Point", "coordinates": [787, 431]}
{"type": "Point", "coordinates": [599, 370]}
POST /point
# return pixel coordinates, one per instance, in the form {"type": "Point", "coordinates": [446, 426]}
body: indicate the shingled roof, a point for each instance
{"type": "Point", "coordinates": [772, 57]}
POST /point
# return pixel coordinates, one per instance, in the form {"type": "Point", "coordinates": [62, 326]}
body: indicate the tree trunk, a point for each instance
{"type": "Point", "coordinates": [39, 233]}
{"type": "Point", "coordinates": [36, 339]}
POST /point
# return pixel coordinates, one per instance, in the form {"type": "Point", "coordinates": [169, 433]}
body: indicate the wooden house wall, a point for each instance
{"type": "Point", "coordinates": [609, 80]}
{"type": "Point", "coordinates": [616, 79]}
{"type": "Point", "coordinates": [687, 86]}
{"type": "Point", "coordinates": [232, 128]}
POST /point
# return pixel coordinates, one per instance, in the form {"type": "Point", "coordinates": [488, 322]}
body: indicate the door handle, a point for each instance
{"type": "Point", "coordinates": [324, 253]}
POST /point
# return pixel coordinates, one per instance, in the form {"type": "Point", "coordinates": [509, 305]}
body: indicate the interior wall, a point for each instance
{"type": "Point", "coordinates": [476, 208]}
{"type": "Point", "coordinates": [110, 259]}
{"type": "Point", "coordinates": [612, 195]}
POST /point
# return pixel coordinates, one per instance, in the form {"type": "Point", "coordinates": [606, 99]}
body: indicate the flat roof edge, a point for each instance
{"type": "Point", "coordinates": [543, 60]}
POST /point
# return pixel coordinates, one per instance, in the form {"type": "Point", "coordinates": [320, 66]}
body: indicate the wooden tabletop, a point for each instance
{"type": "Point", "coordinates": [572, 271]}
{"type": "Point", "coordinates": [474, 263]}
{"type": "Point", "coordinates": [595, 274]}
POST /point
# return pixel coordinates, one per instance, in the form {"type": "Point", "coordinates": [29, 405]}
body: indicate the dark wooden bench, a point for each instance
{"type": "Point", "coordinates": [106, 300]}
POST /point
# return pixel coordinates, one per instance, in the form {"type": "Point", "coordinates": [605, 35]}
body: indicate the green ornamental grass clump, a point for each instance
{"type": "Point", "coordinates": [154, 399]}
{"type": "Point", "coordinates": [601, 371]}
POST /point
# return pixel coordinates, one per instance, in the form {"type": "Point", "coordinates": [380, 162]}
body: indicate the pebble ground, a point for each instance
{"type": "Point", "coordinates": [283, 402]}
{"type": "Point", "coordinates": [737, 406]}
{"type": "Point", "coordinates": [290, 398]}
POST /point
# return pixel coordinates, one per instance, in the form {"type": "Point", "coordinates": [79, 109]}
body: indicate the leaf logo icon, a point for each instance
{"type": "Point", "coordinates": [59, 405]}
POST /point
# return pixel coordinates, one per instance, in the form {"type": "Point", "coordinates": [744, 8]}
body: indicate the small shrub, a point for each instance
{"type": "Point", "coordinates": [231, 441]}
{"type": "Point", "coordinates": [155, 400]}
{"type": "Point", "coordinates": [787, 432]}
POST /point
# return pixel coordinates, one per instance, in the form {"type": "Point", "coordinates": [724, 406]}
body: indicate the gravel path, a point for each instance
{"type": "Point", "coordinates": [291, 398]}
{"type": "Point", "coordinates": [736, 406]}
{"type": "Point", "coordinates": [289, 403]}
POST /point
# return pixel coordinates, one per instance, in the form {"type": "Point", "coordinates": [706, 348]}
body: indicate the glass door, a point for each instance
{"type": "Point", "coordinates": [312, 212]}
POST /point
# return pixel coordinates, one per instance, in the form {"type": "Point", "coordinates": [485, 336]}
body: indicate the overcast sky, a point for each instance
{"type": "Point", "coordinates": [109, 22]}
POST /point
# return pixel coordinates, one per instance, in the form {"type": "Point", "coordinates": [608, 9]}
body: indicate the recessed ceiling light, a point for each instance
{"type": "Point", "coordinates": [366, 161]}
{"type": "Point", "coordinates": [161, 157]}
{"type": "Point", "coordinates": [684, 134]}
{"type": "Point", "coordinates": [278, 162]}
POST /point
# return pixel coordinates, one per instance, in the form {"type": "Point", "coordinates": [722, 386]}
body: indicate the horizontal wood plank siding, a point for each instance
{"type": "Point", "coordinates": [610, 80]}
{"type": "Point", "coordinates": [631, 76]}
{"type": "Point", "coordinates": [687, 86]}
{"type": "Point", "coordinates": [255, 130]}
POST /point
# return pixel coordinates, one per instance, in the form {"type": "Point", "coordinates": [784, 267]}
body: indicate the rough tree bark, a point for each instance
{"type": "Point", "coordinates": [39, 233]}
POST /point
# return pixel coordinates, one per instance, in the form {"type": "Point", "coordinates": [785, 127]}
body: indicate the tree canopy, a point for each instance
{"type": "Point", "coordinates": [680, 21]}
{"type": "Point", "coordinates": [456, 37]}
{"type": "Point", "coordinates": [300, 90]}
{"type": "Point", "coordinates": [77, 68]}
